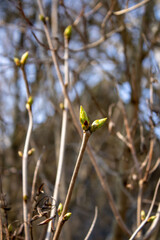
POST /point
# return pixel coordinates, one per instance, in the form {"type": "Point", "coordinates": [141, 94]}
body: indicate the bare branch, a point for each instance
{"type": "Point", "coordinates": [131, 8]}
{"type": "Point", "coordinates": [93, 224]}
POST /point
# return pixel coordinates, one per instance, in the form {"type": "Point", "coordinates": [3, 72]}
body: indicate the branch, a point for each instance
{"type": "Point", "coordinates": [131, 8]}
{"type": "Point", "coordinates": [149, 212]}
{"type": "Point", "coordinates": [62, 143]}
{"type": "Point", "coordinates": [93, 224]}
{"type": "Point", "coordinates": [25, 160]}
{"type": "Point", "coordinates": [86, 136]}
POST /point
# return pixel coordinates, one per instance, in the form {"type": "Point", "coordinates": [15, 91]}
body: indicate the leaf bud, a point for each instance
{"type": "Point", "coordinates": [67, 216]}
{"type": "Point", "coordinates": [60, 209]}
{"type": "Point", "coordinates": [151, 219]}
{"type": "Point", "coordinates": [17, 62]}
{"type": "Point", "coordinates": [68, 32]}
{"type": "Point", "coordinates": [20, 154]}
{"type": "Point", "coordinates": [31, 151]}
{"type": "Point", "coordinates": [42, 18]}
{"type": "Point", "coordinates": [97, 124]}
{"type": "Point", "coordinates": [24, 58]}
{"type": "Point", "coordinates": [143, 215]}
{"type": "Point", "coordinates": [30, 100]}
{"type": "Point", "coordinates": [84, 120]}
{"type": "Point", "coordinates": [61, 105]}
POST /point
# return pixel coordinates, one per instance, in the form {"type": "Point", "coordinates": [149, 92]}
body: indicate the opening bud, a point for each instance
{"type": "Point", "coordinates": [84, 120]}
{"type": "Point", "coordinates": [97, 124]}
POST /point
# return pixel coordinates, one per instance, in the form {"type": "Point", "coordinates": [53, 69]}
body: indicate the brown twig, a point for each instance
{"type": "Point", "coordinates": [86, 136]}
{"type": "Point", "coordinates": [93, 224]}
{"type": "Point", "coordinates": [131, 8]}
{"type": "Point", "coordinates": [148, 214]}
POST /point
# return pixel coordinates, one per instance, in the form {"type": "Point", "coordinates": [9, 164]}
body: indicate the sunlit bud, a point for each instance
{"type": "Point", "coordinates": [25, 198]}
{"type": "Point", "coordinates": [31, 151]}
{"type": "Point", "coordinates": [84, 120]}
{"type": "Point", "coordinates": [30, 100]}
{"type": "Point", "coordinates": [97, 124]}
{"type": "Point", "coordinates": [28, 106]}
{"type": "Point", "coordinates": [47, 18]}
{"type": "Point", "coordinates": [42, 18]}
{"type": "Point", "coordinates": [61, 105]}
{"type": "Point", "coordinates": [60, 209]}
{"type": "Point", "coordinates": [151, 219]}
{"type": "Point", "coordinates": [67, 216]}
{"type": "Point", "coordinates": [20, 154]}
{"type": "Point", "coordinates": [143, 215]}
{"type": "Point", "coordinates": [10, 227]}
{"type": "Point", "coordinates": [17, 62]}
{"type": "Point", "coordinates": [24, 58]}
{"type": "Point", "coordinates": [68, 32]}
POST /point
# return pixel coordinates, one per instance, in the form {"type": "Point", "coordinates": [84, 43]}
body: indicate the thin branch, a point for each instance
{"type": "Point", "coordinates": [86, 136]}
{"type": "Point", "coordinates": [155, 166]}
{"type": "Point", "coordinates": [153, 225]}
{"type": "Point", "coordinates": [123, 139]}
{"type": "Point", "coordinates": [93, 224]}
{"type": "Point", "coordinates": [131, 8]}
{"type": "Point", "coordinates": [149, 212]}
{"type": "Point", "coordinates": [25, 164]}
{"type": "Point", "coordinates": [25, 81]}
{"type": "Point", "coordinates": [131, 145]}
{"type": "Point", "coordinates": [35, 177]}
{"type": "Point", "coordinates": [99, 41]}
{"type": "Point", "coordinates": [62, 143]}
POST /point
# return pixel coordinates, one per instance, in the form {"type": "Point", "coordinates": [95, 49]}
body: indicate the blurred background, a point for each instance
{"type": "Point", "coordinates": [112, 58]}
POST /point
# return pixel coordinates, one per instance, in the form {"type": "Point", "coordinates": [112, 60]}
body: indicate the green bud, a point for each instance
{"type": "Point", "coordinates": [84, 120]}
{"type": "Point", "coordinates": [20, 154]}
{"type": "Point", "coordinates": [42, 18]}
{"type": "Point", "coordinates": [143, 215]}
{"type": "Point", "coordinates": [17, 62]}
{"type": "Point", "coordinates": [30, 100]}
{"type": "Point", "coordinates": [151, 219]}
{"type": "Point", "coordinates": [25, 198]}
{"type": "Point", "coordinates": [31, 151]}
{"type": "Point", "coordinates": [97, 124]}
{"type": "Point", "coordinates": [67, 216]}
{"type": "Point", "coordinates": [61, 105]}
{"type": "Point", "coordinates": [28, 106]}
{"type": "Point", "coordinates": [10, 227]}
{"type": "Point", "coordinates": [68, 32]}
{"type": "Point", "coordinates": [60, 209]}
{"type": "Point", "coordinates": [24, 58]}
